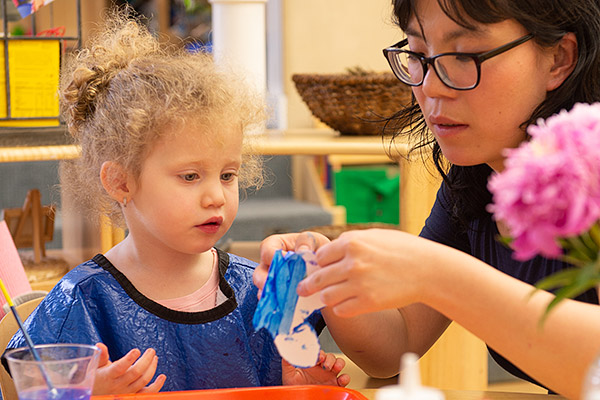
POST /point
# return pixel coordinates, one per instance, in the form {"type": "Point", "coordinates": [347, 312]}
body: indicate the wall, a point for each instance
{"type": "Point", "coordinates": [328, 36]}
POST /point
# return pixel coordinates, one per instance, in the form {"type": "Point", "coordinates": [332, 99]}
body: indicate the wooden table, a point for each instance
{"type": "Point", "coordinates": [479, 395]}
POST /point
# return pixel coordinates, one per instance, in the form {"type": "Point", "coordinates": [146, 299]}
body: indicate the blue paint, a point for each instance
{"type": "Point", "coordinates": [62, 394]}
{"type": "Point", "coordinates": [275, 309]}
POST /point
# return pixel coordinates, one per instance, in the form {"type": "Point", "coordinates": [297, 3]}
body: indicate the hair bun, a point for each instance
{"type": "Point", "coordinates": [81, 94]}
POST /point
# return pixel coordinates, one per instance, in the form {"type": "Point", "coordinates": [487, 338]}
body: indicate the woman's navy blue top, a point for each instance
{"type": "Point", "coordinates": [480, 241]}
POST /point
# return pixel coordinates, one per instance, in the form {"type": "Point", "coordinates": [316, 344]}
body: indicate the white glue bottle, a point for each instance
{"type": "Point", "coordinates": [409, 384]}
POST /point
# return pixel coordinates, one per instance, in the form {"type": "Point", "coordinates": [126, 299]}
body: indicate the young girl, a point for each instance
{"type": "Point", "coordinates": [521, 60]}
{"type": "Point", "coordinates": [163, 149]}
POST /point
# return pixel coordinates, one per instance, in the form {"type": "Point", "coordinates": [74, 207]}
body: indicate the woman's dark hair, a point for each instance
{"type": "Point", "coordinates": [548, 21]}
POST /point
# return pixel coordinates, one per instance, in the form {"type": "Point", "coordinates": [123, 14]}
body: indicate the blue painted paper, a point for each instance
{"type": "Point", "coordinates": [275, 310]}
{"type": "Point", "coordinates": [284, 314]}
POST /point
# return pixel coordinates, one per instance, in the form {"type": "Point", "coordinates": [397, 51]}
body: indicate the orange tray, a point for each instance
{"type": "Point", "coordinates": [307, 392]}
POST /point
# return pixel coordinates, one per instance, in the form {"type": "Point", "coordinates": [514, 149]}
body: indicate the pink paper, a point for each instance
{"type": "Point", "coordinates": [12, 272]}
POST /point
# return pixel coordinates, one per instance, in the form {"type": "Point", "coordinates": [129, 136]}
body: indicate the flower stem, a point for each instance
{"type": "Point", "coordinates": [589, 243]}
{"type": "Point", "coordinates": [595, 233]}
{"type": "Point", "coordinates": [580, 249]}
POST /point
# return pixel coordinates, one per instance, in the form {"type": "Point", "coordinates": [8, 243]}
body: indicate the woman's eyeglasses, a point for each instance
{"type": "Point", "coordinates": [460, 71]}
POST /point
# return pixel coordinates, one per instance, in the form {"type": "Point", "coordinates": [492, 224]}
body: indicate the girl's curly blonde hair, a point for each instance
{"type": "Point", "coordinates": [126, 90]}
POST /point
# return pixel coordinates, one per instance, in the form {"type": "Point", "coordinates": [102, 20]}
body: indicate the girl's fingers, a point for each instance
{"type": "Point", "coordinates": [155, 386]}
{"type": "Point", "coordinates": [267, 248]}
{"type": "Point", "coordinates": [127, 370]}
{"type": "Point", "coordinates": [338, 365]}
{"type": "Point", "coordinates": [271, 244]}
{"type": "Point", "coordinates": [259, 277]}
{"type": "Point", "coordinates": [141, 366]}
{"type": "Point", "coordinates": [343, 380]}
{"type": "Point", "coordinates": [118, 368]}
{"type": "Point", "coordinates": [306, 241]}
{"type": "Point", "coordinates": [144, 372]}
{"type": "Point", "coordinates": [328, 362]}
{"type": "Point", "coordinates": [104, 357]}
{"type": "Point", "coordinates": [131, 373]}
{"type": "Point", "coordinates": [332, 363]}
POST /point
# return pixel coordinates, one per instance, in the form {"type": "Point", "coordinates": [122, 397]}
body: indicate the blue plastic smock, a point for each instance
{"type": "Point", "coordinates": [217, 348]}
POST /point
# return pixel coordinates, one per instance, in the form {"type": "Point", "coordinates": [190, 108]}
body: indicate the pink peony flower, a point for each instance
{"type": "Point", "coordinates": [550, 187]}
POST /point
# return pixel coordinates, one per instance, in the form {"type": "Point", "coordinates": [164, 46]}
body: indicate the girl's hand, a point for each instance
{"type": "Point", "coordinates": [130, 374]}
{"type": "Point", "coordinates": [286, 242]}
{"type": "Point", "coordinates": [326, 372]}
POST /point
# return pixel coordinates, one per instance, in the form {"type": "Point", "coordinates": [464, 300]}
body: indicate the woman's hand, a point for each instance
{"type": "Point", "coordinates": [286, 242]}
{"type": "Point", "coordinates": [130, 374]}
{"type": "Point", "coordinates": [326, 372]}
{"type": "Point", "coordinates": [371, 270]}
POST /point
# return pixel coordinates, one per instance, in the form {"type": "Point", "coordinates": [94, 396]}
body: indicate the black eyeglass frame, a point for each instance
{"type": "Point", "coordinates": [478, 58]}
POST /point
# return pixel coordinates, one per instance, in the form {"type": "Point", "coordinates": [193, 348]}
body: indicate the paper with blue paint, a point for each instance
{"type": "Point", "coordinates": [283, 313]}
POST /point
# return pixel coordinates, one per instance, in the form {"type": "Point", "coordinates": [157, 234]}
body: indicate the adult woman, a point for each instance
{"type": "Point", "coordinates": [520, 60]}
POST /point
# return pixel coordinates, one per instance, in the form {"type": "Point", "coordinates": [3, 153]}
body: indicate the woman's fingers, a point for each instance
{"type": "Point", "coordinates": [335, 250]}
{"type": "Point", "coordinates": [321, 278]}
{"type": "Point", "coordinates": [362, 271]}
{"type": "Point", "coordinates": [352, 307]}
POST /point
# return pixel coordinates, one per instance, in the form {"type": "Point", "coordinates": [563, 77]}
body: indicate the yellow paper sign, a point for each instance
{"type": "Point", "coordinates": [33, 72]}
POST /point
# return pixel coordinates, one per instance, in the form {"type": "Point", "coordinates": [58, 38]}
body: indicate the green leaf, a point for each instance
{"type": "Point", "coordinates": [574, 260]}
{"type": "Point", "coordinates": [559, 279]}
{"type": "Point", "coordinates": [577, 254]}
{"type": "Point", "coordinates": [595, 233]}
{"type": "Point", "coordinates": [568, 292]}
{"type": "Point", "coordinates": [505, 240]}
{"type": "Point", "coordinates": [584, 252]}
{"type": "Point", "coordinates": [587, 240]}
{"type": "Point", "coordinates": [572, 283]}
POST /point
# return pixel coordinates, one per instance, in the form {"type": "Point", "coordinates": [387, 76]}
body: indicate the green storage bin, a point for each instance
{"type": "Point", "coordinates": [370, 194]}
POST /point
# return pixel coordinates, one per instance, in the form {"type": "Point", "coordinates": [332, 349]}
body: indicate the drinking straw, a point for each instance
{"type": "Point", "coordinates": [34, 352]}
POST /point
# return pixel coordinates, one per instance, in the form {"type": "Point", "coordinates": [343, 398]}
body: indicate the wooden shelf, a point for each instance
{"type": "Point", "coordinates": [36, 144]}
{"type": "Point", "coordinates": [35, 147]}
{"type": "Point", "coordinates": [324, 142]}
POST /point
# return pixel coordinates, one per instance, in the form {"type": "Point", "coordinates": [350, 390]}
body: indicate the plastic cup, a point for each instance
{"type": "Point", "coordinates": [70, 368]}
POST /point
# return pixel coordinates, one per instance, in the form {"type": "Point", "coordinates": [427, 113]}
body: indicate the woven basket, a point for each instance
{"type": "Point", "coordinates": [353, 104]}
